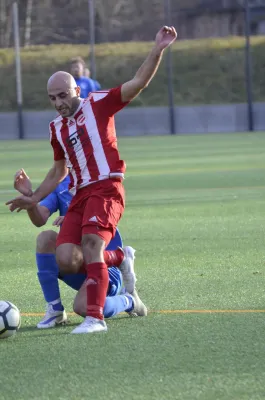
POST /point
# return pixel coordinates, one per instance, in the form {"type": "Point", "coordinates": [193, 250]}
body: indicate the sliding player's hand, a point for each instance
{"type": "Point", "coordinates": [22, 183]}
{"type": "Point", "coordinates": [58, 222]}
{"type": "Point", "coordinates": [165, 37]}
{"type": "Point", "coordinates": [21, 203]}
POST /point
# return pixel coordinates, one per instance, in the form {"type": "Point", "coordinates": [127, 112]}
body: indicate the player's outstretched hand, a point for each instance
{"type": "Point", "coordinates": [22, 182]}
{"type": "Point", "coordinates": [165, 37]}
{"type": "Point", "coordinates": [58, 222]}
{"type": "Point", "coordinates": [21, 203]}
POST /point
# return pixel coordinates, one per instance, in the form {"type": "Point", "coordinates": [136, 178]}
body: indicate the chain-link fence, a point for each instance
{"type": "Point", "coordinates": [208, 60]}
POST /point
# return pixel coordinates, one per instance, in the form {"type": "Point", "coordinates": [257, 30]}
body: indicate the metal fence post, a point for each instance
{"type": "Point", "coordinates": [18, 71]}
{"type": "Point", "coordinates": [167, 11]}
{"type": "Point", "coordinates": [91, 8]}
{"type": "Point", "coordinates": [248, 65]}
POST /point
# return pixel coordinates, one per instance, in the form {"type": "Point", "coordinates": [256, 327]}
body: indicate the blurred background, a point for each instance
{"type": "Point", "coordinates": [211, 80]}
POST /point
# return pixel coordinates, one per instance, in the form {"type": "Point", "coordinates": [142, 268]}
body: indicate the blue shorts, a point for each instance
{"type": "Point", "coordinates": [75, 281]}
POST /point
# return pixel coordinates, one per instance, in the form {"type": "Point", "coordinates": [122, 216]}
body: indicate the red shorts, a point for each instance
{"type": "Point", "coordinates": [97, 209]}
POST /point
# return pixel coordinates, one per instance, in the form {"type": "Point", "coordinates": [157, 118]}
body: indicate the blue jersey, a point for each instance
{"type": "Point", "coordinates": [59, 199]}
{"type": "Point", "coordinates": [87, 85]}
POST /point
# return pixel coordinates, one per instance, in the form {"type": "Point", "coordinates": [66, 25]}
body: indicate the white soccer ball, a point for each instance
{"type": "Point", "coordinates": [9, 319]}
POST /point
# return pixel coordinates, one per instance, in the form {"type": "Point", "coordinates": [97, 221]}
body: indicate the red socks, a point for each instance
{"type": "Point", "coordinates": [97, 285]}
{"type": "Point", "coordinates": [98, 281]}
{"type": "Point", "coordinates": [113, 257]}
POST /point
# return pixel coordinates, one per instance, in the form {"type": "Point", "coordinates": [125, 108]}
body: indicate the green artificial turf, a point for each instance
{"type": "Point", "coordinates": [196, 215]}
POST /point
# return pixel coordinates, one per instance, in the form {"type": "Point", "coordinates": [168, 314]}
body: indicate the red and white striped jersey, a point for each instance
{"type": "Point", "coordinates": [87, 140]}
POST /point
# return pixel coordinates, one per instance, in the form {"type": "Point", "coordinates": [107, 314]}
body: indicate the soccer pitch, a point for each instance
{"type": "Point", "coordinates": [196, 215]}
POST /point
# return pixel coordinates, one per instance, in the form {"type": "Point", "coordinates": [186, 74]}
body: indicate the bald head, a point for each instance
{"type": "Point", "coordinates": [61, 80]}
{"type": "Point", "coordinates": [64, 93]}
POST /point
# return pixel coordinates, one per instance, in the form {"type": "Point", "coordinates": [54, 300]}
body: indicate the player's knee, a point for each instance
{"type": "Point", "coordinates": [69, 259]}
{"type": "Point", "coordinates": [93, 247]}
{"type": "Point", "coordinates": [90, 241]}
{"type": "Point", "coordinates": [46, 242]}
{"type": "Point", "coordinates": [67, 265]}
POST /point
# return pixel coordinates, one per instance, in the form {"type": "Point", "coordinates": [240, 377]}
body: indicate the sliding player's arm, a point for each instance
{"type": "Point", "coordinates": [164, 38]}
{"type": "Point", "coordinates": [38, 215]}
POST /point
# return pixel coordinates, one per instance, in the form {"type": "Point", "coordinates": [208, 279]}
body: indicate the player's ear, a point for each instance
{"type": "Point", "coordinates": [78, 91]}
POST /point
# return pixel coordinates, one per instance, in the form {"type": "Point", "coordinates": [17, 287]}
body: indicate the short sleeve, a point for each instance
{"type": "Point", "coordinates": [58, 152]}
{"type": "Point", "coordinates": [109, 101]}
{"type": "Point", "coordinates": [50, 202]}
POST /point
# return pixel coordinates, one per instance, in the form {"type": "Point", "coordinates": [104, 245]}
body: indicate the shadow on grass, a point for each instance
{"type": "Point", "coordinates": [61, 330]}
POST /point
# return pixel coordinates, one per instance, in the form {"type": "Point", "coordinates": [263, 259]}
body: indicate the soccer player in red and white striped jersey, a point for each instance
{"type": "Point", "coordinates": [84, 142]}
{"type": "Point", "coordinates": [87, 138]}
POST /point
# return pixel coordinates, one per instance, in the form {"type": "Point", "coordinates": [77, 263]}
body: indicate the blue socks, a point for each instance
{"type": "Point", "coordinates": [48, 277]}
{"type": "Point", "coordinates": [116, 304]}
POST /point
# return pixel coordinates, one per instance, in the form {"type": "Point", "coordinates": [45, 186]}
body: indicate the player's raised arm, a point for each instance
{"type": "Point", "coordinates": [164, 38]}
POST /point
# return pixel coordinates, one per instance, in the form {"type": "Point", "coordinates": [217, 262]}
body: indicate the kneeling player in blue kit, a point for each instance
{"type": "Point", "coordinates": [48, 270]}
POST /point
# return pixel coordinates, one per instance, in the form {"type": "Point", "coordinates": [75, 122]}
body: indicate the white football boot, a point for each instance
{"type": "Point", "coordinates": [91, 325]}
{"type": "Point", "coordinates": [52, 318]}
{"type": "Point", "coordinates": [127, 269]}
{"type": "Point", "coordinates": [139, 309]}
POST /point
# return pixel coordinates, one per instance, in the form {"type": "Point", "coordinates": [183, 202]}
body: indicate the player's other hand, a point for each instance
{"type": "Point", "coordinates": [22, 183]}
{"type": "Point", "coordinates": [165, 37]}
{"type": "Point", "coordinates": [58, 222]}
{"type": "Point", "coordinates": [21, 203]}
